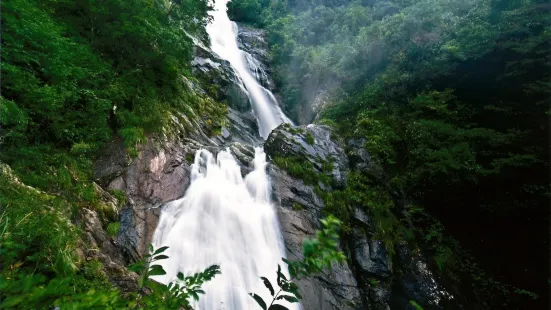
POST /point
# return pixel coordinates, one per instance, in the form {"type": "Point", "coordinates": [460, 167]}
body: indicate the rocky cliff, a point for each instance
{"type": "Point", "coordinates": [370, 279]}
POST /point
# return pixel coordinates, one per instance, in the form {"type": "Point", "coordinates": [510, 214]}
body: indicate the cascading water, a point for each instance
{"type": "Point", "coordinates": [224, 219]}
{"type": "Point", "coordinates": [223, 36]}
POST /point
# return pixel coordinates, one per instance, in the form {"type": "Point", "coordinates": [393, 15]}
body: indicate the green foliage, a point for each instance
{"type": "Point", "coordinates": [310, 139]}
{"type": "Point", "coordinates": [23, 291]}
{"type": "Point", "coordinates": [248, 11]}
{"type": "Point", "coordinates": [302, 169]}
{"type": "Point", "coordinates": [175, 295]}
{"type": "Point", "coordinates": [319, 253]}
{"type": "Point", "coordinates": [297, 207]}
{"type": "Point", "coordinates": [76, 73]}
{"type": "Point", "coordinates": [415, 305]}
{"type": "Point", "coordinates": [27, 244]}
{"type": "Point", "coordinates": [113, 229]}
{"type": "Point", "coordinates": [120, 195]}
{"type": "Point", "coordinates": [373, 198]}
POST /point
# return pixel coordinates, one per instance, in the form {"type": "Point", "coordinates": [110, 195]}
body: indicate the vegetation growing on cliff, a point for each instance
{"type": "Point", "coordinates": [75, 74]}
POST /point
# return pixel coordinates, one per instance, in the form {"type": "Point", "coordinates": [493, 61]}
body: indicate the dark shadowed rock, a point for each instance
{"type": "Point", "coordinates": [299, 215]}
{"type": "Point", "coordinates": [418, 282]}
{"type": "Point", "coordinates": [102, 248]}
{"type": "Point", "coordinates": [300, 212]}
{"type": "Point", "coordinates": [361, 160]}
{"type": "Point", "coordinates": [219, 75]}
{"type": "Point", "coordinates": [371, 279]}
{"type": "Point", "coordinates": [371, 257]}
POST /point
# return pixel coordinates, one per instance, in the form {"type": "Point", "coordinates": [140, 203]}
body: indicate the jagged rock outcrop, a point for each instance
{"type": "Point", "coordinates": [104, 249]}
{"type": "Point", "coordinates": [224, 85]}
{"type": "Point", "coordinates": [370, 279]}
{"type": "Point", "coordinates": [160, 173]}
{"type": "Point", "coordinates": [300, 211]}
{"type": "Point", "coordinates": [218, 74]}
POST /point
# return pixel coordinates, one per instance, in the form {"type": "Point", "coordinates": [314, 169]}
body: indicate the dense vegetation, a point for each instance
{"type": "Point", "coordinates": [452, 99]}
{"type": "Point", "coordinates": [74, 75]}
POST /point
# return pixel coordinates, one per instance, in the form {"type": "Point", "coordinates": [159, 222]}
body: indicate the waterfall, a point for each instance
{"type": "Point", "coordinates": [223, 35]}
{"type": "Point", "coordinates": [223, 218]}
{"type": "Point", "coordinates": [226, 220]}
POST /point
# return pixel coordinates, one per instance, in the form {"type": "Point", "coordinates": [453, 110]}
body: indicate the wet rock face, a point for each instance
{"type": "Point", "coordinates": [161, 173]}
{"type": "Point", "coordinates": [253, 42]}
{"type": "Point", "coordinates": [300, 211]}
{"type": "Point", "coordinates": [156, 176]}
{"type": "Point", "coordinates": [102, 248]}
{"type": "Point", "coordinates": [218, 73]}
{"type": "Point", "coordinates": [313, 143]}
{"type": "Point", "coordinates": [419, 283]}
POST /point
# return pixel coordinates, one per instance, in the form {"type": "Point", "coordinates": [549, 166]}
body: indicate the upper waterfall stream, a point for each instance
{"type": "Point", "coordinates": [223, 218]}
{"type": "Point", "coordinates": [223, 36]}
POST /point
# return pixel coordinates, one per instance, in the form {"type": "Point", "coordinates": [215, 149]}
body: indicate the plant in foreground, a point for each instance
{"type": "Point", "coordinates": [318, 253]}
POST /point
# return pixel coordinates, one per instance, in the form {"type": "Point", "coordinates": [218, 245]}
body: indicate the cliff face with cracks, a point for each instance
{"type": "Point", "coordinates": [370, 279]}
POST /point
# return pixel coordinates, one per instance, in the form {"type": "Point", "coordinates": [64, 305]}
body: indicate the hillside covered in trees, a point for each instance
{"type": "Point", "coordinates": [449, 98]}
{"type": "Point", "coordinates": [452, 98]}
{"type": "Point", "coordinates": [76, 74]}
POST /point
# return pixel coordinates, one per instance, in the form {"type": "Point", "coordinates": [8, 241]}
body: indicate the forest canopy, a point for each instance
{"type": "Point", "coordinates": [451, 97]}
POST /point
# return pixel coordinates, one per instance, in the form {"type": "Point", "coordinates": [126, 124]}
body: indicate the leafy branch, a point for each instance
{"type": "Point", "coordinates": [319, 253]}
{"type": "Point", "coordinates": [176, 294]}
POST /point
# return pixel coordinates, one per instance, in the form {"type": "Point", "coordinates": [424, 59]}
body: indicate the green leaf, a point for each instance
{"type": "Point", "coordinates": [288, 298]}
{"type": "Point", "coordinates": [259, 300]}
{"type": "Point", "coordinates": [292, 288]}
{"type": "Point", "coordinates": [159, 250]}
{"type": "Point", "coordinates": [151, 248]}
{"type": "Point", "coordinates": [137, 267]}
{"type": "Point", "coordinates": [156, 270]}
{"type": "Point", "coordinates": [281, 279]}
{"type": "Point", "coordinates": [277, 307]}
{"type": "Point", "coordinates": [199, 291]}
{"type": "Point", "coordinates": [268, 285]}
{"type": "Point", "coordinates": [160, 257]}
{"type": "Point", "coordinates": [180, 276]}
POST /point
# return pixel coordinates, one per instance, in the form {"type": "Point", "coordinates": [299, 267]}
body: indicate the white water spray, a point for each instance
{"type": "Point", "coordinates": [226, 220]}
{"type": "Point", "coordinates": [223, 35]}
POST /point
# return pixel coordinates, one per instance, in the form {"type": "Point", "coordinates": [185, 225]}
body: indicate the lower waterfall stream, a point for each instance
{"type": "Point", "coordinates": [225, 219]}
